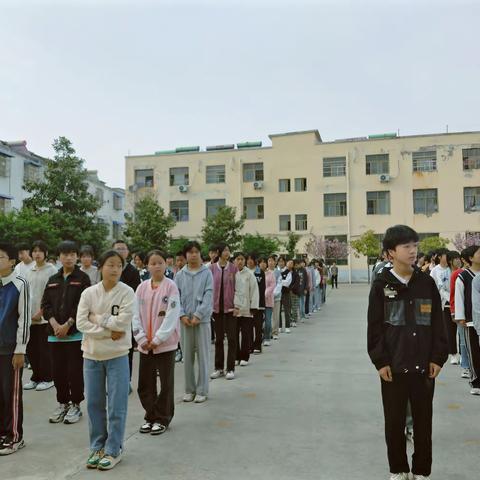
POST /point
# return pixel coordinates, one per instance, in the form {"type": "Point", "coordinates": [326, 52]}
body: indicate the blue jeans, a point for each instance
{"type": "Point", "coordinates": [268, 323]}
{"type": "Point", "coordinates": [462, 331]}
{"type": "Point", "coordinates": [301, 299]}
{"type": "Point", "coordinates": [102, 376]}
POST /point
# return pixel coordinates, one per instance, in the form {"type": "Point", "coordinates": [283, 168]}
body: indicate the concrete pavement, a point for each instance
{"type": "Point", "coordinates": [308, 408]}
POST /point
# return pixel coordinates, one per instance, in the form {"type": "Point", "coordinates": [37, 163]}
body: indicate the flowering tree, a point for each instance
{"type": "Point", "coordinates": [462, 241]}
{"type": "Point", "coordinates": [315, 247]}
{"type": "Point", "coordinates": [335, 249]}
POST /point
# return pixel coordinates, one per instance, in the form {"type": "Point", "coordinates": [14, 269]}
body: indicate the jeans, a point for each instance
{"type": "Point", "coordinates": [317, 298]}
{"type": "Point", "coordinates": [464, 363]}
{"type": "Point", "coordinates": [107, 414]}
{"type": "Point", "coordinates": [276, 316]}
{"type": "Point", "coordinates": [268, 323]}
{"type": "Point", "coordinates": [301, 299]}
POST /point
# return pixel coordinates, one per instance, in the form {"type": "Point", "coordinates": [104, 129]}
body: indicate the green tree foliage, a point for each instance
{"type": "Point", "coordinates": [366, 245]}
{"type": "Point", "coordinates": [262, 246]}
{"type": "Point", "coordinates": [176, 244]}
{"type": "Point", "coordinates": [223, 227]}
{"type": "Point", "coordinates": [432, 243]}
{"type": "Point", "coordinates": [291, 244]}
{"type": "Point", "coordinates": [149, 226]}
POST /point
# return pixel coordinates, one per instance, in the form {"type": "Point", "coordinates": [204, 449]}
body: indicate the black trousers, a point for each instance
{"type": "Point", "coordinates": [225, 323]}
{"type": "Point", "coordinates": [451, 328]}
{"type": "Point", "coordinates": [38, 354]}
{"type": "Point", "coordinates": [130, 356]}
{"type": "Point", "coordinates": [334, 281]}
{"type": "Point", "coordinates": [419, 390]}
{"type": "Point", "coordinates": [286, 306]}
{"type": "Point", "coordinates": [159, 408]}
{"type": "Point", "coordinates": [307, 302]}
{"type": "Point", "coordinates": [67, 370]}
{"type": "Point", "coordinates": [473, 352]}
{"type": "Point", "coordinates": [258, 319]}
{"type": "Point", "coordinates": [11, 403]}
{"type": "Point", "coordinates": [244, 327]}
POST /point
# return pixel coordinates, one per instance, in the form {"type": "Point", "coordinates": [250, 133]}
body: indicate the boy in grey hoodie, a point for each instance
{"type": "Point", "coordinates": [195, 284]}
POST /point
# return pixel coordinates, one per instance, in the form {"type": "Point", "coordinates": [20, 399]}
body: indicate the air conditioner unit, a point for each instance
{"type": "Point", "coordinates": [258, 185]}
{"type": "Point", "coordinates": [183, 188]}
{"type": "Point", "coordinates": [384, 178]}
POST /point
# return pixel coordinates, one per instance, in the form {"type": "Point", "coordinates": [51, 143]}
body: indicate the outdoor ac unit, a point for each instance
{"type": "Point", "coordinates": [384, 178]}
{"type": "Point", "coordinates": [183, 188]}
{"type": "Point", "coordinates": [258, 185]}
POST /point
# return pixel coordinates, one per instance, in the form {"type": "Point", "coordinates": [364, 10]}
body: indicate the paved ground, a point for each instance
{"type": "Point", "coordinates": [308, 408]}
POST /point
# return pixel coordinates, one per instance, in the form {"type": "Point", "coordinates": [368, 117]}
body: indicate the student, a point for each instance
{"type": "Point", "coordinates": [170, 271]}
{"type": "Point", "coordinates": [213, 254]}
{"type": "Point", "coordinates": [180, 262]}
{"type": "Point", "coordinates": [317, 294]}
{"type": "Point", "coordinates": [408, 346]}
{"type": "Point", "coordinates": [270, 284]}
{"type": "Point", "coordinates": [139, 261]}
{"type": "Point", "coordinates": [26, 261]}
{"type": "Point", "coordinates": [464, 314]}
{"type": "Point", "coordinates": [59, 306]}
{"type": "Point", "coordinates": [156, 327]}
{"type": "Point", "coordinates": [246, 299]}
{"type": "Point", "coordinates": [223, 273]}
{"type": "Point", "coordinates": [334, 275]}
{"type": "Point", "coordinates": [195, 285]}
{"type": "Point", "coordinates": [277, 295]}
{"type": "Point", "coordinates": [292, 266]}
{"type": "Point", "coordinates": [15, 318]}
{"type": "Point", "coordinates": [37, 348]}
{"type": "Point", "coordinates": [286, 299]}
{"type": "Point", "coordinates": [258, 314]}
{"type": "Point", "coordinates": [302, 288]}
{"type": "Point", "coordinates": [87, 266]}
{"type": "Point", "coordinates": [104, 317]}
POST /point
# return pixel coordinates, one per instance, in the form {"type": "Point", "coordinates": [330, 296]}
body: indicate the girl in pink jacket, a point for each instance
{"type": "Point", "coordinates": [156, 328]}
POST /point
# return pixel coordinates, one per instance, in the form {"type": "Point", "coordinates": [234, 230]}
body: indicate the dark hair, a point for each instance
{"type": "Point", "coordinates": [253, 256]}
{"type": "Point", "coordinates": [23, 246]}
{"type": "Point", "coordinates": [190, 245]}
{"type": "Point", "coordinates": [151, 253]}
{"type": "Point", "coordinates": [439, 252]}
{"type": "Point", "coordinates": [398, 235]}
{"type": "Point", "coordinates": [87, 250]}
{"type": "Point", "coordinates": [41, 245]}
{"type": "Point", "coordinates": [180, 254]}
{"type": "Point", "coordinates": [169, 255]}
{"type": "Point", "coordinates": [67, 246]}
{"type": "Point", "coordinates": [469, 252]}
{"type": "Point", "coordinates": [420, 255]}
{"type": "Point", "coordinates": [109, 254]}
{"type": "Point", "coordinates": [9, 249]}
{"type": "Point", "coordinates": [221, 247]}
{"type": "Point", "coordinates": [213, 248]}
{"type": "Point", "coordinates": [273, 257]}
{"type": "Point", "coordinates": [262, 259]}
{"type": "Point", "coordinates": [120, 241]}
{"type": "Point", "coordinates": [282, 257]}
{"type": "Point", "coordinates": [452, 255]}
{"type": "Point", "coordinates": [240, 254]}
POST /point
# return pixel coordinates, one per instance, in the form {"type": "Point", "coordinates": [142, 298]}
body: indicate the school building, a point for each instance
{"type": "Point", "coordinates": [337, 189]}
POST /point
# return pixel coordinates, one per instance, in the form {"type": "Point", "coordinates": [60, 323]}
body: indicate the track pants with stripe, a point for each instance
{"type": "Point", "coordinates": [11, 403]}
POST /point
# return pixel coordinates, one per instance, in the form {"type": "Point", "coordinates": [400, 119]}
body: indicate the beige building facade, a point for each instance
{"type": "Point", "coordinates": [337, 189]}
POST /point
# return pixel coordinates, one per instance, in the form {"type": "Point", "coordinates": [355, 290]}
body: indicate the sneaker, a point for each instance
{"type": "Point", "coordinates": [31, 385]}
{"type": "Point", "coordinates": [475, 391]}
{"type": "Point", "coordinates": [243, 363]}
{"type": "Point", "coordinates": [158, 429]}
{"type": "Point", "coordinates": [257, 352]}
{"type": "Point", "coordinates": [178, 356]}
{"type": "Point", "coordinates": [275, 337]}
{"type": "Point", "coordinates": [94, 458]}
{"type": "Point", "coordinates": [420, 477]}
{"type": "Point", "coordinates": [294, 325]}
{"type": "Point", "coordinates": [454, 360]}
{"type": "Point", "coordinates": [7, 448]}
{"type": "Point", "coordinates": [216, 374]}
{"type": "Point", "coordinates": [237, 362]}
{"type": "Point", "coordinates": [200, 398]}
{"type": "Point", "coordinates": [281, 330]}
{"type": "Point", "coordinates": [146, 428]}
{"type": "Point", "coordinates": [73, 415]}
{"type": "Point", "coordinates": [465, 373]}
{"type": "Point", "coordinates": [107, 462]}
{"type": "Point", "coordinates": [42, 386]}
{"type": "Point", "coordinates": [399, 476]}
{"type": "Point", "coordinates": [287, 330]}
{"type": "Point", "coordinates": [266, 343]}
{"type": "Point", "coordinates": [189, 397]}
{"type": "Point", "coordinates": [409, 434]}
{"type": "Point", "coordinates": [59, 413]}
{"type": "Point", "coordinates": [230, 375]}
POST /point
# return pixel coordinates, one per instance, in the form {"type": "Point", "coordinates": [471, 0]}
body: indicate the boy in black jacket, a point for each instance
{"type": "Point", "coordinates": [407, 344]}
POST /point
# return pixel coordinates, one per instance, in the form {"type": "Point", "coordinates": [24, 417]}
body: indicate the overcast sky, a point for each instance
{"type": "Point", "coordinates": [119, 77]}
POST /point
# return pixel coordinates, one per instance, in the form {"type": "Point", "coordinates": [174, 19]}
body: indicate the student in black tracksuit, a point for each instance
{"type": "Point", "coordinates": [407, 343]}
{"type": "Point", "coordinates": [258, 314]}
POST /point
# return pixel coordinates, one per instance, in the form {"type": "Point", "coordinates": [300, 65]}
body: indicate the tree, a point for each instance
{"type": "Point", "coordinates": [316, 246]}
{"type": "Point", "coordinates": [291, 244]}
{"type": "Point", "coordinates": [335, 249]}
{"type": "Point", "coordinates": [149, 226]}
{"type": "Point", "coordinates": [62, 198]}
{"type": "Point", "coordinates": [223, 227]}
{"type": "Point", "coordinates": [176, 244]}
{"type": "Point", "coordinates": [461, 240]}
{"type": "Point", "coordinates": [367, 245]}
{"type": "Point", "coordinates": [429, 244]}
{"type": "Point", "coordinates": [259, 244]}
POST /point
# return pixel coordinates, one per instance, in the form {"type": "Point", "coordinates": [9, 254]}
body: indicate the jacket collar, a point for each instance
{"type": "Point", "coordinates": [8, 278]}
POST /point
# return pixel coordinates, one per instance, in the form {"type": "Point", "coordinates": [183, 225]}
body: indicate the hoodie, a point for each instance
{"type": "Point", "coordinates": [228, 286]}
{"type": "Point", "coordinates": [246, 292]}
{"type": "Point", "coordinates": [196, 293]}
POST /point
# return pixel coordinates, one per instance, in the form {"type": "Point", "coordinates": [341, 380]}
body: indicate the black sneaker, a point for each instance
{"type": "Point", "coordinates": [9, 447]}
{"type": "Point", "coordinates": [146, 428]}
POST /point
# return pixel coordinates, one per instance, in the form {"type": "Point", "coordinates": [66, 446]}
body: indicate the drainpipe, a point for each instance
{"type": "Point", "coordinates": [348, 219]}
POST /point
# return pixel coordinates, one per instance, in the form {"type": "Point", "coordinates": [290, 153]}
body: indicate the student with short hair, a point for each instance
{"type": "Point", "coordinates": [294, 287]}
{"type": "Point", "coordinates": [104, 317]}
{"type": "Point", "coordinates": [139, 261]}
{"type": "Point", "coordinates": [258, 314]}
{"type": "Point", "coordinates": [277, 294]}
{"type": "Point", "coordinates": [270, 284]}
{"type": "Point", "coordinates": [15, 318]}
{"type": "Point", "coordinates": [59, 306]}
{"type": "Point", "coordinates": [180, 262]}
{"type": "Point", "coordinates": [170, 271]}
{"type": "Point", "coordinates": [408, 346]}
{"type": "Point", "coordinates": [195, 285]}
{"type": "Point", "coordinates": [26, 261]}
{"type": "Point", "coordinates": [86, 259]}
{"type": "Point", "coordinates": [37, 349]}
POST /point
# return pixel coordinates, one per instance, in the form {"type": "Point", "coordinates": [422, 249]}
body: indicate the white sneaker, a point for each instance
{"type": "Point", "coordinates": [475, 391]}
{"type": "Point", "coordinates": [275, 337]}
{"type": "Point", "coordinates": [409, 434]}
{"type": "Point", "coordinates": [73, 415]}
{"type": "Point", "coordinates": [454, 360]}
{"type": "Point", "coordinates": [420, 477]}
{"type": "Point", "coordinates": [287, 330]}
{"type": "Point", "coordinates": [107, 462]}
{"type": "Point", "coordinates": [294, 324]}
{"type": "Point", "coordinates": [31, 385]}
{"type": "Point", "coordinates": [266, 343]}
{"type": "Point", "coordinates": [257, 352]}
{"type": "Point", "coordinates": [216, 374]}
{"type": "Point", "coordinates": [465, 373]}
{"type": "Point", "coordinates": [399, 476]}
{"type": "Point", "coordinates": [200, 398]}
{"type": "Point", "coordinates": [243, 363]}
{"type": "Point", "coordinates": [189, 397]}
{"type": "Point", "coordinates": [42, 386]}
{"type": "Point", "coordinates": [230, 375]}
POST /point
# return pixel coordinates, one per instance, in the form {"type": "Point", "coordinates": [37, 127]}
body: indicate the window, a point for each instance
{"type": "Point", "coordinates": [335, 204]}
{"type": "Point", "coordinates": [31, 173]}
{"type": "Point", "coordinates": [285, 224]}
{"type": "Point", "coordinates": [116, 230]}
{"type": "Point", "coordinates": [4, 166]}
{"type": "Point", "coordinates": [179, 176]}
{"type": "Point", "coordinates": [425, 201]}
{"type": "Point", "coordinates": [252, 172]}
{"type": "Point", "coordinates": [424, 161]}
{"type": "Point", "coordinates": [377, 164]}
{"type": "Point", "coordinates": [378, 203]}
{"type": "Point", "coordinates": [5, 204]}
{"type": "Point", "coordinates": [471, 199]}
{"type": "Point", "coordinates": [253, 208]}
{"type": "Point", "coordinates": [117, 202]}
{"type": "Point", "coordinates": [471, 158]}
{"type": "Point", "coordinates": [332, 254]}
{"type": "Point", "coordinates": [99, 195]}
{"type": "Point", "coordinates": [179, 210]}
{"type": "Point", "coordinates": [334, 166]}
{"type": "Point", "coordinates": [213, 206]}
{"type": "Point", "coordinates": [301, 221]}
{"type": "Point", "coordinates": [144, 178]}
{"type": "Point", "coordinates": [422, 236]}
{"type": "Point", "coordinates": [284, 185]}
{"type": "Point", "coordinates": [300, 184]}
{"type": "Point", "coordinates": [215, 174]}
